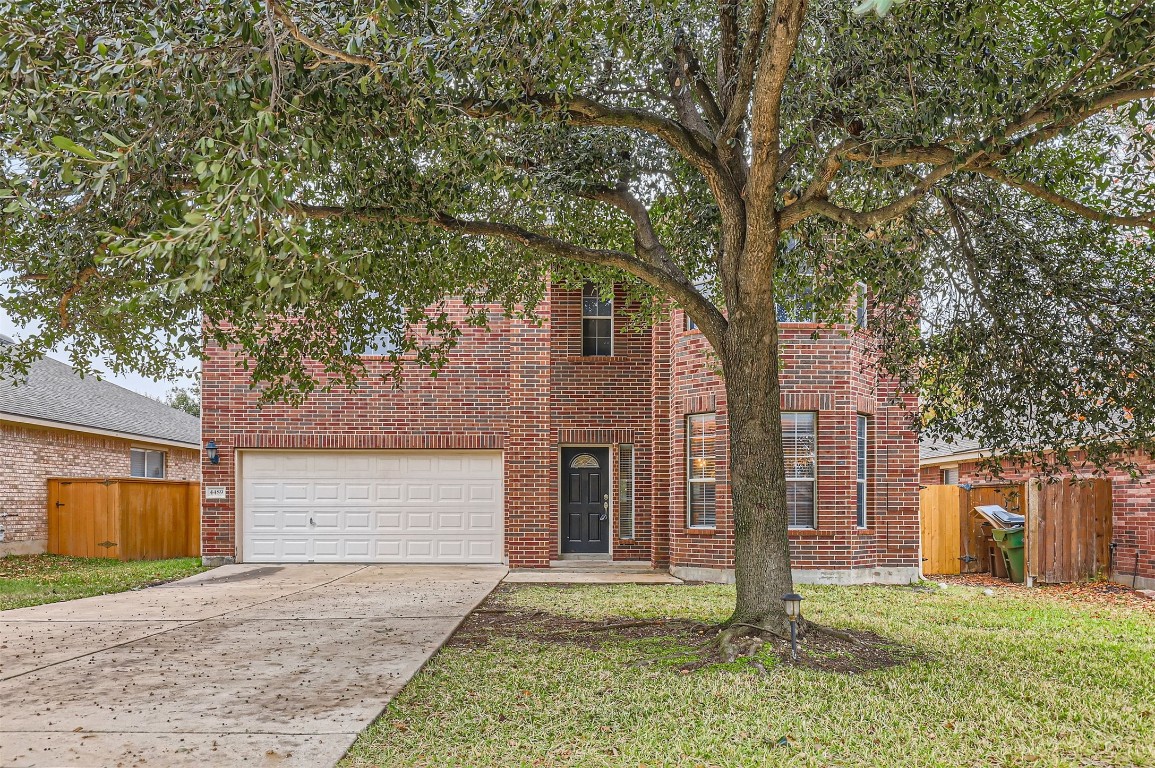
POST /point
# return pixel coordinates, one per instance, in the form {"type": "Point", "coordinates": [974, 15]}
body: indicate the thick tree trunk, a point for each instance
{"type": "Point", "coordinates": [757, 473]}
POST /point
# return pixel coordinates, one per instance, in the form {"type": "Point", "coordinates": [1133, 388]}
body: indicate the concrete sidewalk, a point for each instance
{"type": "Point", "coordinates": [252, 665]}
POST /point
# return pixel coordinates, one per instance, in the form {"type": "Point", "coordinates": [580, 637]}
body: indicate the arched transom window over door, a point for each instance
{"type": "Point", "coordinates": [584, 461]}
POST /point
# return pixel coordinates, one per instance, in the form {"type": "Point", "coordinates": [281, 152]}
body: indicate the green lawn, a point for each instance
{"type": "Point", "coordinates": [1015, 678]}
{"type": "Point", "coordinates": [37, 579]}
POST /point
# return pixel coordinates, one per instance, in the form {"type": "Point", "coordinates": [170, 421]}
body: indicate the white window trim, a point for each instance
{"type": "Point", "coordinates": [862, 471]}
{"type": "Point", "coordinates": [813, 479]}
{"type": "Point", "coordinates": [146, 451]}
{"type": "Point", "coordinates": [585, 317]}
{"type": "Point", "coordinates": [691, 481]}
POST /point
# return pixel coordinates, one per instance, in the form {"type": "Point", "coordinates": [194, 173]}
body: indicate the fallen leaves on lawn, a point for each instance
{"type": "Point", "coordinates": [1083, 593]}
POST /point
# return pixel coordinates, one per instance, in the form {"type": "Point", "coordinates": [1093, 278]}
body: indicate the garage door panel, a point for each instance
{"type": "Point", "coordinates": [482, 493]}
{"type": "Point", "coordinates": [388, 492]}
{"type": "Point", "coordinates": [451, 521]}
{"type": "Point", "coordinates": [482, 550]}
{"type": "Point", "coordinates": [388, 521]}
{"type": "Point", "coordinates": [294, 521]}
{"type": "Point", "coordinates": [450, 492]}
{"type": "Point", "coordinates": [372, 507]}
{"type": "Point", "coordinates": [387, 550]}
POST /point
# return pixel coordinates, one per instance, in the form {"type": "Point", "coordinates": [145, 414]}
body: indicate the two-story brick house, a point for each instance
{"type": "Point", "coordinates": [574, 437]}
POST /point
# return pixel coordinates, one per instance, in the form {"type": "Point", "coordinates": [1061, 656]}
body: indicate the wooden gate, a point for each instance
{"type": "Point", "coordinates": [979, 554]}
{"type": "Point", "coordinates": [123, 518]}
{"type": "Point", "coordinates": [1068, 529]}
{"type": "Point", "coordinates": [941, 507]}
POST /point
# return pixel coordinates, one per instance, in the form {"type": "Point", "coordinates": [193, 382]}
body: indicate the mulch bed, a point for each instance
{"type": "Point", "coordinates": [852, 653]}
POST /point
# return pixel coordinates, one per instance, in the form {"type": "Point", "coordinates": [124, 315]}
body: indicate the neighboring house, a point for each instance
{"type": "Point", "coordinates": [59, 424]}
{"type": "Point", "coordinates": [1132, 502]}
{"type": "Point", "coordinates": [577, 438]}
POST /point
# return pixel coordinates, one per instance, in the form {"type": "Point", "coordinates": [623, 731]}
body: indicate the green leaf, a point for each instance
{"type": "Point", "coordinates": [68, 145]}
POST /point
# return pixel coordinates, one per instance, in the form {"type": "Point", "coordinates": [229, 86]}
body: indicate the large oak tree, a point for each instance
{"type": "Point", "coordinates": [305, 174]}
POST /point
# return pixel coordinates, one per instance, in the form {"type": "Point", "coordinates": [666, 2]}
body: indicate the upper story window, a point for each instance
{"type": "Point", "coordinates": [597, 323]}
{"type": "Point", "coordinates": [800, 446]}
{"type": "Point", "coordinates": [701, 495]}
{"type": "Point", "coordinates": [378, 345]}
{"type": "Point", "coordinates": [146, 463]}
{"type": "Point", "coordinates": [797, 306]}
{"type": "Point", "coordinates": [861, 305]}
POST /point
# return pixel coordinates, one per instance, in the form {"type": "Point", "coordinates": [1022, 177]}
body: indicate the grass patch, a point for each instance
{"type": "Point", "coordinates": [38, 579]}
{"type": "Point", "coordinates": [1010, 679]}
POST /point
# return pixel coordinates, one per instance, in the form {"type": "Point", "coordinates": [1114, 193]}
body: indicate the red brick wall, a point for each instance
{"type": "Point", "coordinates": [604, 400]}
{"type": "Point", "coordinates": [30, 455]}
{"type": "Point", "coordinates": [526, 389]}
{"type": "Point", "coordinates": [465, 406]}
{"type": "Point", "coordinates": [1132, 512]}
{"type": "Point", "coordinates": [833, 376]}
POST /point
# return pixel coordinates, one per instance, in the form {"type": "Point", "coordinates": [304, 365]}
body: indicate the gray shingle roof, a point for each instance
{"type": "Point", "coordinates": [55, 392]}
{"type": "Point", "coordinates": [928, 450]}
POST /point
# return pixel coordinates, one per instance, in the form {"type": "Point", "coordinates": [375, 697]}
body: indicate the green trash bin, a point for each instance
{"type": "Point", "coordinates": [1010, 542]}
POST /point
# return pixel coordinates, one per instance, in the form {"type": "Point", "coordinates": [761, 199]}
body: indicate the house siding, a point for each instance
{"type": "Point", "coordinates": [30, 455]}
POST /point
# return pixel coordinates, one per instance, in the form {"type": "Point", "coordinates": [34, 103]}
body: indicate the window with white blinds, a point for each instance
{"type": "Point", "coordinates": [800, 445]}
{"type": "Point", "coordinates": [700, 482]}
{"type": "Point", "coordinates": [860, 501]}
{"type": "Point", "coordinates": [625, 491]}
{"type": "Point", "coordinates": [146, 463]}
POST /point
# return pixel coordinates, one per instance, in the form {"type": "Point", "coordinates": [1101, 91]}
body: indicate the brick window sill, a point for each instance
{"type": "Point", "coordinates": [809, 533]}
{"type": "Point", "coordinates": [864, 531]}
{"type": "Point", "coordinates": [594, 359]}
{"type": "Point", "coordinates": [699, 531]}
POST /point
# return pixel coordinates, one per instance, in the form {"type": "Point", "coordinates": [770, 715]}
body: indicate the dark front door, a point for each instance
{"type": "Point", "coordinates": [585, 500]}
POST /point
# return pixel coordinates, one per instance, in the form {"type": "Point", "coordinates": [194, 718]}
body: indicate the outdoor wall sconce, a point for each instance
{"type": "Point", "coordinates": [793, 604]}
{"type": "Point", "coordinates": [212, 452]}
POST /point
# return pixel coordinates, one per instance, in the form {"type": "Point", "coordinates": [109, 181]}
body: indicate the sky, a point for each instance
{"type": "Point", "coordinates": [136, 383]}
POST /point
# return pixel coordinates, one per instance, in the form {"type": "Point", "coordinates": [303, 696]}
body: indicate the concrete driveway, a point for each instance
{"type": "Point", "coordinates": [241, 665]}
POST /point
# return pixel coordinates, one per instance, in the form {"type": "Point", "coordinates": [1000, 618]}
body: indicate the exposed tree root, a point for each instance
{"type": "Point", "coordinates": [642, 623]}
{"type": "Point", "coordinates": [838, 634]}
{"type": "Point", "coordinates": [760, 629]}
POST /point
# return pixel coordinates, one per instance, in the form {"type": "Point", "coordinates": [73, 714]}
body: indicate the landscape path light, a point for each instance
{"type": "Point", "coordinates": [793, 604]}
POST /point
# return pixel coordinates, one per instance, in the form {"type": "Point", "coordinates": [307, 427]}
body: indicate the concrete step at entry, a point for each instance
{"type": "Point", "coordinates": [601, 566]}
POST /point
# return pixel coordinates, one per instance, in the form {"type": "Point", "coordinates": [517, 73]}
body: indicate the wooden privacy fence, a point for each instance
{"type": "Point", "coordinates": [123, 518]}
{"type": "Point", "coordinates": [1068, 528]}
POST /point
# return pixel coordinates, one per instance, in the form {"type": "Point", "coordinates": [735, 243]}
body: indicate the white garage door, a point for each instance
{"type": "Point", "coordinates": [372, 506]}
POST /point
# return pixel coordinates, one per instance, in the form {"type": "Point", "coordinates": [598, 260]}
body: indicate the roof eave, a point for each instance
{"type": "Point", "coordinates": [16, 418]}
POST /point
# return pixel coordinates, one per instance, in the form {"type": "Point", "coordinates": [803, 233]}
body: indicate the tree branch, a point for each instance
{"type": "Point", "coordinates": [866, 219]}
{"type": "Point", "coordinates": [727, 52]}
{"type": "Point", "coordinates": [709, 319]}
{"type": "Point", "coordinates": [286, 18]}
{"type": "Point", "coordinates": [947, 161]}
{"type": "Point", "coordinates": [691, 70]}
{"type": "Point", "coordinates": [1146, 220]}
{"type": "Point", "coordinates": [584, 111]}
{"type": "Point", "coordinates": [736, 98]}
{"type": "Point", "coordinates": [781, 39]}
